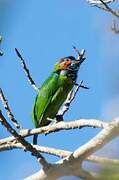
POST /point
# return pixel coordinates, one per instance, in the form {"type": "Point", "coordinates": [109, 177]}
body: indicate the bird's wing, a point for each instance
{"type": "Point", "coordinates": [44, 97]}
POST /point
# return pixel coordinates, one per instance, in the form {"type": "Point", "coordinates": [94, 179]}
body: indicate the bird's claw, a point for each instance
{"type": "Point", "coordinates": [51, 120]}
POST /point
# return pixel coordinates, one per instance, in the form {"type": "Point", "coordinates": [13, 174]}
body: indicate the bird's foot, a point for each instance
{"type": "Point", "coordinates": [53, 121]}
{"type": "Point", "coordinates": [57, 119]}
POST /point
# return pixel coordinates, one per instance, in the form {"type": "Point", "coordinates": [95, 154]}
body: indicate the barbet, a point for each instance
{"type": "Point", "coordinates": [54, 91]}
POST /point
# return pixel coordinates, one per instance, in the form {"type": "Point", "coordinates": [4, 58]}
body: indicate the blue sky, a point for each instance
{"type": "Point", "coordinates": [45, 31]}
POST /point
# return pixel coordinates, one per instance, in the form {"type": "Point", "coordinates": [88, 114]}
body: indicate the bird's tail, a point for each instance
{"type": "Point", "coordinates": [35, 137]}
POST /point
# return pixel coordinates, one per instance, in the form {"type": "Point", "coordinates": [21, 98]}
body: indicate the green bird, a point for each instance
{"type": "Point", "coordinates": [54, 91]}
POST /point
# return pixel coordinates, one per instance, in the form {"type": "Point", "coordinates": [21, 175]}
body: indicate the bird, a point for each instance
{"type": "Point", "coordinates": [54, 91]}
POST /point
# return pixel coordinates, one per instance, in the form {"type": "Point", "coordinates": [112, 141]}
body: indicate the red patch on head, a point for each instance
{"type": "Point", "coordinates": [64, 63]}
{"type": "Point", "coordinates": [67, 63]}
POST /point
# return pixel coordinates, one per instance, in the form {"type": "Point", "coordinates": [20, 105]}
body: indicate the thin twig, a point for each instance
{"type": "Point", "coordinates": [102, 160]}
{"type": "Point", "coordinates": [81, 54]}
{"type": "Point", "coordinates": [8, 111]}
{"type": "Point", "coordinates": [69, 99]}
{"type": "Point", "coordinates": [1, 53]}
{"type": "Point", "coordinates": [103, 5]}
{"type": "Point", "coordinates": [26, 144]}
{"type": "Point", "coordinates": [98, 2]}
{"type": "Point", "coordinates": [113, 12]}
{"type": "Point", "coordinates": [26, 70]}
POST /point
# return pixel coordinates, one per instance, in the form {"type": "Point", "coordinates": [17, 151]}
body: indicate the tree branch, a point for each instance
{"type": "Point", "coordinates": [98, 2]}
{"type": "Point", "coordinates": [103, 5]}
{"type": "Point", "coordinates": [113, 12]}
{"type": "Point", "coordinates": [8, 111]}
{"type": "Point", "coordinates": [77, 124]}
{"type": "Point", "coordinates": [27, 146]}
{"type": "Point", "coordinates": [60, 153]}
{"type": "Point", "coordinates": [76, 159]}
{"type": "Point", "coordinates": [1, 53]}
{"type": "Point", "coordinates": [26, 71]}
{"type": "Point", "coordinates": [102, 160]}
{"type": "Point", "coordinates": [102, 138]}
{"type": "Point", "coordinates": [69, 99]}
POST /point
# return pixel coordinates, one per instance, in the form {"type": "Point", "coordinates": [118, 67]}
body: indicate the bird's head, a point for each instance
{"type": "Point", "coordinates": [69, 65]}
{"type": "Point", "coordinates": [63, 64]}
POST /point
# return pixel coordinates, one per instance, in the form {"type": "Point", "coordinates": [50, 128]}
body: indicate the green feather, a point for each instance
{"type": "Point", "coordinates": [49, 99]}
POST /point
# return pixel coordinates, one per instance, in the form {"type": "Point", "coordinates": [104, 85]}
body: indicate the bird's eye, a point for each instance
{"type": "Point", "coordinates": [67, 60]}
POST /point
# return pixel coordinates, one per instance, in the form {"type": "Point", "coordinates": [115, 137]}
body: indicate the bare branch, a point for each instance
{"type": "Point", "coordinates": [106, 135]}
{"type": "Point", "coordinates": [71, 162]}
{"type": "Point", "coordinates": [59, 170]}
{"type": "Point", "coordinates": [98, 2]}
{"type": "Point", "coordinates": [103, 5]}
{"type": "Point", "coordinates": [113, 12]}
{"type": "Point", "coordinates": [69, 99]}
{"type": "Point", "coordinates": [81, 54]}
{"type": "Point", "coordinates": [102, 160]}
{"type": "Point", "coordinates": [27, 146]}
{"type": "Point", "coordinates": [1, 53]}
{"type": "Point", "coordinates": [102, 138]}
{"type": "Point", "coordinates": [26, 70]}
{"type": "Point", "coordinates": [77, 124]}
{"type": "Point", "coordinates": [60, 153]}
{"type": "Point", "coordinates": [75, 160]}
{"type": "Point", "coordinates": [8, 111]}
